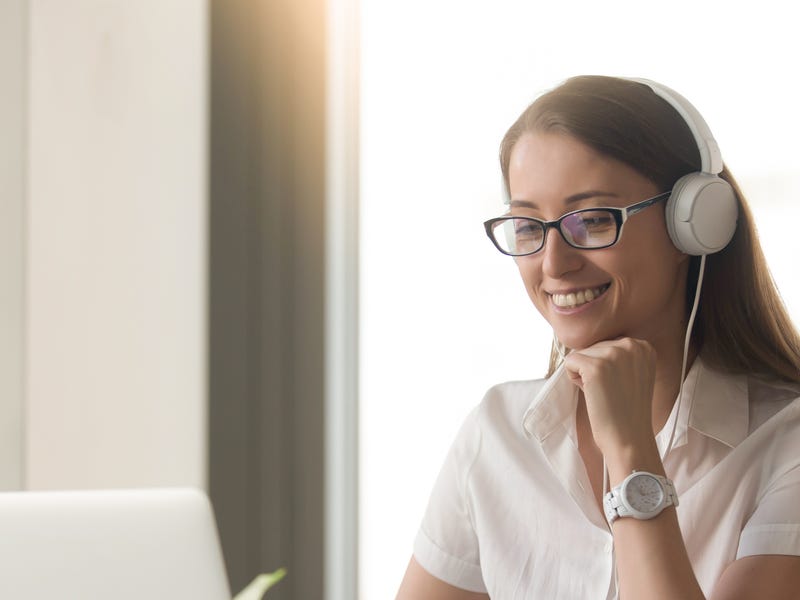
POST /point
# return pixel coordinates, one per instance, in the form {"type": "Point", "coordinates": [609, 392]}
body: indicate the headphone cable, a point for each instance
{"type": "Point", "coordinates": [686, 343]}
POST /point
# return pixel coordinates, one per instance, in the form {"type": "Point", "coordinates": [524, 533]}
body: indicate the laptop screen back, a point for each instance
{"type": "Point", "coordinates": [122, 544]}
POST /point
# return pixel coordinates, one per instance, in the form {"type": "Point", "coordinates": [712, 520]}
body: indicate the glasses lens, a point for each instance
{"type": "Point", "coordinates": [518, 236]}
{"type": "Point", "coordinates": [590, 228]}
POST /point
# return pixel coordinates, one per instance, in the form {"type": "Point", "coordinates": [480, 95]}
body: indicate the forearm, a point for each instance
{"type": "Point", "coordinates": [651, 556]}
{"type": "Point", "coordinates": [652, 560]}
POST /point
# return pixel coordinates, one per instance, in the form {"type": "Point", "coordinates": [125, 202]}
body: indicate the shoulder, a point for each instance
{"type": "Point", "coordinates": [732, 407]}
{"type": "Point", "coordinates": [773, 402]}
{"type": "Point", "coordinates": [504, 405]}
{"type": "Point", "coordinates": [495, 428]}
{"type": "Point", "coordinates": [491, 428]}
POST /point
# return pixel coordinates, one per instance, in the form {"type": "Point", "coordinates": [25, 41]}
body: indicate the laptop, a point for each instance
{"type": "Point", "coordinates": [123, 544]}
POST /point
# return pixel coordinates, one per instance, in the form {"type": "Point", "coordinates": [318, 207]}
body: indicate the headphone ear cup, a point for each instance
{"type": "Point", "coordinates": [701, 214]}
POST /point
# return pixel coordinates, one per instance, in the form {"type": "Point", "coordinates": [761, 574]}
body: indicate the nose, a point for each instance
{"type": "Point", "coordinates": [558, 257]}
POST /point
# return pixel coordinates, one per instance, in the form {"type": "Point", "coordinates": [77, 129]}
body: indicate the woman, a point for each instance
{"type": "Point", "coordinates": [596, 482]}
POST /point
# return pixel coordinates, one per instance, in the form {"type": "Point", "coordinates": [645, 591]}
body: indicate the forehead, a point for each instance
{"type": "Point", "coordinates": [542, 161]}
{"type": "Point", "coordinates": [549, 170]}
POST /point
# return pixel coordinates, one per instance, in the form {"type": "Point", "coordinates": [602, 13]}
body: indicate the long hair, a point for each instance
{"type": "Point", "coordinates": [742, 325]}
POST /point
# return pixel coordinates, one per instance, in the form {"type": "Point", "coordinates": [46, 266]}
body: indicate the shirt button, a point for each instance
{"type": "Point", "coordinates": [608, 548]}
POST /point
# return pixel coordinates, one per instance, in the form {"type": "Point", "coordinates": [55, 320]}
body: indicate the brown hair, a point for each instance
{"type": "Point", "coordinates": [742, 325]}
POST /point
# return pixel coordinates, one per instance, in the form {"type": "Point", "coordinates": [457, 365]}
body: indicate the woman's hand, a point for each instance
{"type": "Point", "coordinates": [617, 378]}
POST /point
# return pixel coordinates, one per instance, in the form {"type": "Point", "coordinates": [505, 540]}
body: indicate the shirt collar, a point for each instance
{"type": "Point", "coordinates": [718, 404]}
{"type": "Point", "coordinates": [554, 404]}
{"type": "Point", "coordinates": [713, 403]}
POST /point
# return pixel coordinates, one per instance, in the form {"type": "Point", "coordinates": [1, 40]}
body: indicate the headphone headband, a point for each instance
{"type": "Point", "coordinates": [702, 210]}
{"type": "Point", "coordinates": [710, 156]}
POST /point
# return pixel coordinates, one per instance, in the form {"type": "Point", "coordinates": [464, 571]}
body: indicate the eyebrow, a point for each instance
{"type": "Point", "coordinates": [568, 200]}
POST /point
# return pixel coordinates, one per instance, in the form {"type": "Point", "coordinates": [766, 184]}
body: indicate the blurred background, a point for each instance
{"type": "Point", "coordinates": [241, 244]}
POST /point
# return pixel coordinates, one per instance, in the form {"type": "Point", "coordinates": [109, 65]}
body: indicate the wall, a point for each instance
{"type": "Point", "coordinates": [267, 290]}
{"type": "Point", "coordinates": [12, 191]}
{"type": "Point", "coordinates": [115, 245]}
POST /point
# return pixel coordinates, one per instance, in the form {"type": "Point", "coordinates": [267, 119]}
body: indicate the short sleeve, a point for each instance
{"type": "Point", "coordinates": [774, 527]}
{"type": "Point", "coordinates": [446, 545]}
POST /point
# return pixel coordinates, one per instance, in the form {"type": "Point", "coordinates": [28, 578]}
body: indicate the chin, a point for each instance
{"type": "Point", "coordinates": [578, 346]}
{"type": "Point", "coordinates": [580, 342]}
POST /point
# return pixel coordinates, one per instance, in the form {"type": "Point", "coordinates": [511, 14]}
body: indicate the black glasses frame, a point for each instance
{"type": "Point", "coordinates": [620, 217]}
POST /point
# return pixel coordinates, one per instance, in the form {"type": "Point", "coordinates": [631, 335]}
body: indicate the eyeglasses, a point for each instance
{"type": "Point", "coordinates": [586, 229]}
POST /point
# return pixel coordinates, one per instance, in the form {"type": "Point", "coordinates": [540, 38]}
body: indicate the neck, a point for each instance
{"type": "Point", "coordinates": [668, 379]}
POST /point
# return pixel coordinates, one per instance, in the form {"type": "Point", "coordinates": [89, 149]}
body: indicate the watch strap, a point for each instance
{"type": "Point", "coordinates": [615, 508]}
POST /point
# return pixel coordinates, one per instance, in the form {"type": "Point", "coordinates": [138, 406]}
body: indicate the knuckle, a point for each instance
{"type": "Point", "coordinates": [628, 343]}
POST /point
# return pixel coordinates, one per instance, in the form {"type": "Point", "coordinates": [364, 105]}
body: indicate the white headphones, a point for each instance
{"type": "Point", "coordinates": [702, 210]}
{"type": "Point", "coordinates": [701, 213]}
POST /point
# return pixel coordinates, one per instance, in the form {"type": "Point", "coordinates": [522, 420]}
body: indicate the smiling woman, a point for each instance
{"type": "Point", "coordinates": [593, 482]}
{"type": "Point", "coordinates": [442, 314]}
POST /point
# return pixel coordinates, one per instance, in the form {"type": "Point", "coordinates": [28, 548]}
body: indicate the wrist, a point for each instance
{"type": "Point", "coordinates": [621, 461]}
{"type": "Point", "coordinates": [642, 495]}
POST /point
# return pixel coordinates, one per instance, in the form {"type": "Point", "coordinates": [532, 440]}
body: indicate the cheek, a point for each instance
{"type": "Point", "coordinates": [653, 235]}
{"type": "Point", "coordinates": [648, 250]}
{"type": "Point", "coordinates": [530, 273]}
{"type": "Point", "coordinates": [652, 275]}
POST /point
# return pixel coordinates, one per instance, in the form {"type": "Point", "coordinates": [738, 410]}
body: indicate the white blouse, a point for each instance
{"type": "Point", "coordinates": [512, 512]}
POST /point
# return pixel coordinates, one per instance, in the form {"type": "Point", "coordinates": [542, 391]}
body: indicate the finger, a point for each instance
{"type": "Point", "coordinates": [604, 346]}
{"type": "Point", "coordinates": [585, 367]}
{"type": "Point", "coordinates": [575, 378]}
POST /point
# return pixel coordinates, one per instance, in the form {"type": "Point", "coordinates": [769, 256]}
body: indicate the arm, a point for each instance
{"type": "Point", "coordinates": [418, 584]}
{"type": "Point", "coordinates": [765, 577]}
{"type": "Point", "coordinates": [617, 380]}
{"type": "Point", "coordinates": [651, 556]}
{"type": "Point", "coordinates": [447, 543]}
{"type": "Point", "coordinates": [768, 566]}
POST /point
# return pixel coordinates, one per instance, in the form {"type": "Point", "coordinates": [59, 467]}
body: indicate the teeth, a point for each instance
{"type": "Point", "coordinates": [572, 300]}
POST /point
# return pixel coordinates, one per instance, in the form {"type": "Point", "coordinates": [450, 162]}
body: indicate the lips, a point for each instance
{"type": "Point", "coordinates": [578, 297]}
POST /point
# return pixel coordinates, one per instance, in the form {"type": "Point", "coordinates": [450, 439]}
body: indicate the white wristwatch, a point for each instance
{"type": "Point", "coordinates": [641, 495]}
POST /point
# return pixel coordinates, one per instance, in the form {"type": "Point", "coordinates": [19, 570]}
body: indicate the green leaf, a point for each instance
{"type": "Point", "coordinates": [259, 585]}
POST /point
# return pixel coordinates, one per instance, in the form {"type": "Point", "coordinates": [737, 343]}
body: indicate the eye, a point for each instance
{"type": "Point", "coordinates": [519, 236]}
{"type": "Point", "coordinates": [597, 221]}
{"type": "Point", "coordinates": [525, 228]}
{"type": "Point", "coordinates": [590, 228]}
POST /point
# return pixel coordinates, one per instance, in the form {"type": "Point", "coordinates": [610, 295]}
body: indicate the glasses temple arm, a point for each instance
{"type": "Point", "coordinates": [639, 206]}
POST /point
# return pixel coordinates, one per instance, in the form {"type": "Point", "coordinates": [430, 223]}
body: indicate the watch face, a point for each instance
{"type": "Point", "coordinates": [644, 493]}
